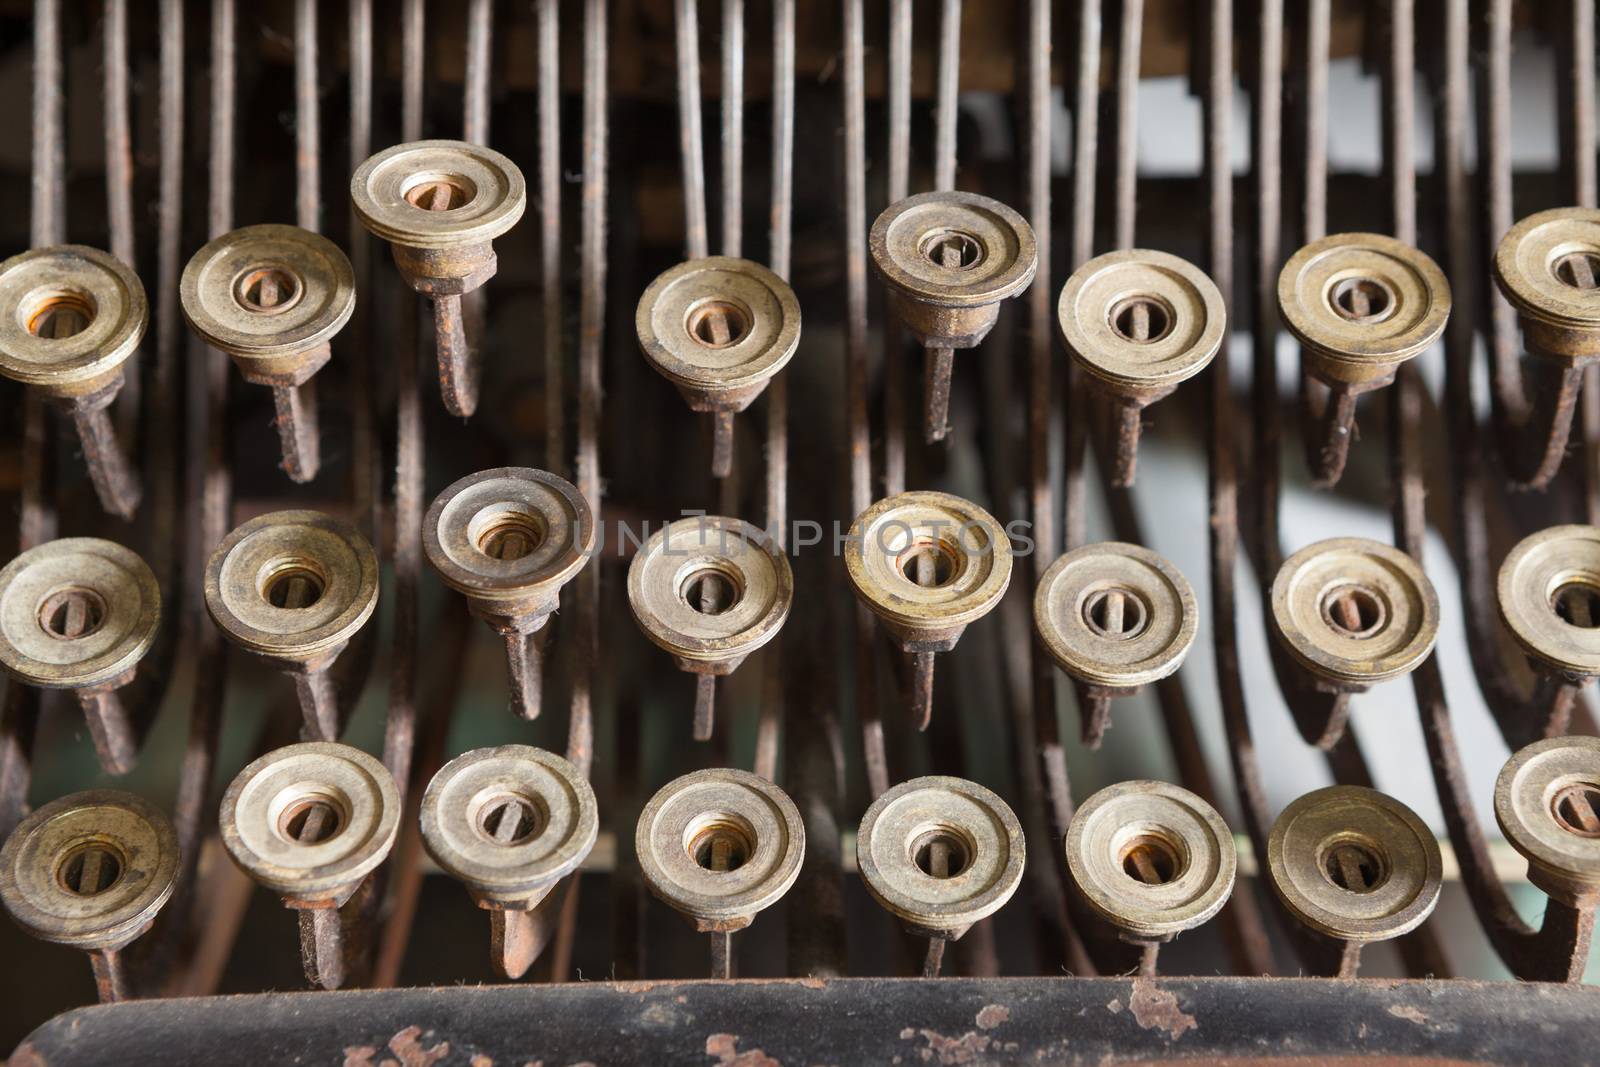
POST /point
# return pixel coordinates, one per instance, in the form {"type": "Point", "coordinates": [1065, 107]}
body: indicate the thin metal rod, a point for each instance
{"type": "Point", "coordinates": [365, 478]}
{"type": "Point", "coordinates": [115, 741]}
{"type": "Point", "coordinates": [732, 126]}
{"type": "Point", "coordinates": [458, 367]}
{"type": "Point", "coordinates": [1130, 35]}
{"type": "Point", "coordinates": [116, 483]}
{"type": "Point", "coordinates": [1094, 715]}
{"type": "Point", "coordinates": [480, 34]}
{"type": "Point", "coordinates": [721, 954]}
{"type": "Point", "coordinates": [48, 220]}
{"type": "Point", "coordinates": [1149, 956]}
{"type": "Point", "coordinates": [899, 187]}
{"type": "Point", "coordinates": [110, 975]}
{"type": "Point", "coordinates": [516, 938]}
{"type": "Point", "coordinates": [946, 110]}
{"type": "Point", "coordinates": [319, 704]}
{"type": "Point", "coordinates": [938, 368]}
{"type": "Point", "coordinates": [721, 444]}
{"type": "Point", "coordinates": [297, 429]}
{"type": "Point", "coordinates": [400, 726]}
{"type": "Point", "coordinates": [933, 961]}
{"type": "Point", "coordinates": [770, 722]}
{"type": "Point", "coordinates": [555, 408]}
{"type": "Point", "coordinates": [705, 711]}
{"type": "Point", "coordinates": [1127, 418]}
{"type": "Point", "coordinates": [322, 947]}
{"type": "Point", "coordinates": [922, 664]}
{"type": "Point", "coordinates": [1329, 417]}
{"type": "Point", "coordinates": [686, 21]}
{"type": "Point", "coordinates": [308, 121]}
{"type": "Point", "coordinates": [591, 316]}
{"type": "Point", "coordinates": [524, 660]}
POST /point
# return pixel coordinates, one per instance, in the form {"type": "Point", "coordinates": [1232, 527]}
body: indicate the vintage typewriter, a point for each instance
{"type": "Point", "coordinates": [946, 533]}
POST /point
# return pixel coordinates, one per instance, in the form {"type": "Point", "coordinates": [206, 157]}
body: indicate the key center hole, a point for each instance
{"type": "Point", "coordinates": [293, 584]}
{"type": "Point", "coordinates": [512, 819]}
{"type": "Point", "coordinates": [718, 323]}
{"type": "Point", "coordinates": [930, 564]}
{"type": "Point", "coordinates": [90, 869]}
{"type": "Point", "coordinates": [1141, 319]}
{"type": "Point", "coordinates": [712, 590]}
{"type": "Point", "coordinates": [268, 290]}
{"type": "Point", "coordinates": [1354, 866]}
{"type": "Point", "coordinates": [953, 249]}
{"type": "Point", "coordinates": [440, 192]}
{"type": "Point", "coordinates": [1577, 809]}
{"type": "Point", "coordinates": [72, 613]}
{"type": "Point", "coordinates": [311, 820]}
{"type": "Point", "coordinates": [60, 314]}
{"type": "Point", "coordinates": [1361, 299]}
{"type": "Point", "coordinates": [1580, 270]}
{"type": "Point", "coordinates": [510, 536]}
{"type": "Point", "coordinates": [721, 843]}
{"type": "Point", "coordinates": [1354, 611]}
{"type": "Point", "coordinates": [1151, 858]}
{"type": "Point", "coordinates": [941, 853]}
{"type": "Point", "coordinates": [1577, 604]}
{"type": "Point", "coordinates": [1116, 613]}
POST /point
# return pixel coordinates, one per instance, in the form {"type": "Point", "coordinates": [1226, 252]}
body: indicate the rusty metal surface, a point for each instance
{"type": "Point", "coordinates": [952, 1021]}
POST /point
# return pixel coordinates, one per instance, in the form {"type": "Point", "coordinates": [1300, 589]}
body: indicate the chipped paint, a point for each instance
{"type": "Point", "coordinates": [1114, 1005]}
{"type": "Point", "coordinates": [992, 1015]}
{"type": "Point", "coordinates": [950, 1051]}
{"type": "Point", "coordinates": [407, 1046]}
{"type": "Point", "coordinates": [725, 1047]}
{"type": "Point", "coordinates": [1155, 1008]}
{"type": "Point", "coordinates": [1407, 1012]}
{"type": "Point", "coordinates": [480, 1060]}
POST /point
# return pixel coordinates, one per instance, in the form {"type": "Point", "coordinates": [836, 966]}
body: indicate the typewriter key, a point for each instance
{"type": "Point", "coordinates": [719, 846]}
{"type": "Point", "coordinates": [1354, 864]}
{"type": "Point", "coordinates": [940, 854]}
{"type": "Point", "coordinates": [949, 259]}
{"type": "Point", "coordinates": [310, 822]}
{"type": "Point", "coordinates": [79, 614]}
{"type": "Point", "coordinates": [927, 565]}
{"type": "Point", "coordinates": [1151, 859]}
{"type": "Point", "coordinates": [1548, 267]}
{"type": "Point", "coordinates": [1361, 304]}
{"type": "Point", "coordinates": [1139, 322]}
{"type": "Point", "coordinates": [509, 539]}
{"type": "Point", "coordinates": [719, 329]}
{"type": "Point", "coordinates": [90, 870]}
{"type": "Point", "coordinates": [440, 205]}
{"type": "Point", "coordinates": [1354, 612]}
{"type": "Point", "coordinates": [709, 590]}
{"type": "Point", "coordinates": [509, 823]}
{"type": "Point", "coordinates": [1549, 596]}
{"type": "Point", "coordinates": [70, 319]}
{"type": "Point", "coordinates": [293, 587]}
{"type": "Point", "coordinates": [1547, 802]}
{"type": "Point", "coordinates": [273, 297]}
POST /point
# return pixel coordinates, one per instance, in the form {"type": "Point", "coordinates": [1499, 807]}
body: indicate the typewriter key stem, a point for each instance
{"type": "Point", "coordinates": [721, 444]}
{"type": "Point", "coordinates": [115, 481]}
{"type": "Point", "coordinates": [110, 976]}
{"type": "Point", "coordinates": [525, 660]}
{"type": "Point", "coordinates": [458, 371]}
{"type": "Point", "coordinates": [297, 429]}
{"type": "Point", "coordinates": [515, 941]}
{"type": "Point", "coordinates": [319, 704]}
{"type": "Point", "coordinates": [705, 714]}
{"type": "Point", "coordinates": [114, 739]}
{"type": "Point", "coordinates": [934, 960]}
{"type": "Point", "coordinates": [938, 370]}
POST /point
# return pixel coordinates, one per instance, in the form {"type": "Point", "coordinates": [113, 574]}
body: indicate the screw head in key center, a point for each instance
{"type": "Point", "coordinates": [76, 612]}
